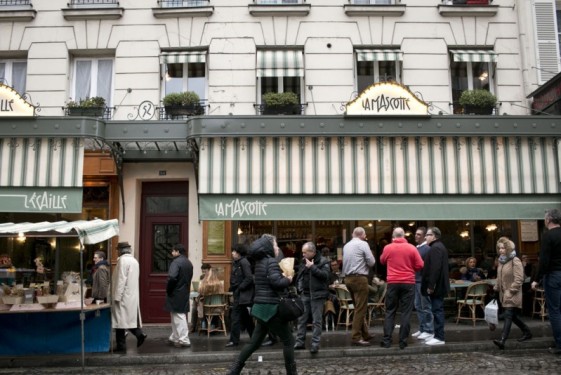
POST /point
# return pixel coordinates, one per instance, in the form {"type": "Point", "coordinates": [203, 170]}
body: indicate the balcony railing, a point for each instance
{"type": "Point", "coordinates": [105, 113]}
{"type": "Point", "coordinates": [183, 3]}
{"type": "Point", "coordinates": [288, 109]}
{"type": "Point", "coordinates": [182, 112]}
{"type": "Point", "coordinates": [467, 2]}
{"type": "Point", "coordinates": [16, 3]}
{"type": "Point", "coordinates": [93, 3]}
{"type": "Point", "coordinates": [279, 2]}
{"type": "Point", "coordinates": [374, 2]}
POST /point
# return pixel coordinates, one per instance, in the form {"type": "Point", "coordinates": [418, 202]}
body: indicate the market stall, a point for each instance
{"type": "Point", "coordinates": [58, 322]}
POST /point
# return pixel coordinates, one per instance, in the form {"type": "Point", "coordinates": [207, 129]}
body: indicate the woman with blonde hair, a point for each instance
{"type": "Point", "coordinates": [510, 277]}
{"type": "Point", "coordinates": [209, 285]}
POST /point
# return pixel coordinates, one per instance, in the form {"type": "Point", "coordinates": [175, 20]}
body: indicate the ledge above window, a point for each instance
{"type": "Point", "coordinates": [374, 9]}
{"type": "Point", "coordinates": [75, 14]}
{"type": "Point", "coordinates": [17, 11]}
{"type": "Point", "coordinates": [266, 10]}
{"type": "Point", "coordinates": [455, 10]}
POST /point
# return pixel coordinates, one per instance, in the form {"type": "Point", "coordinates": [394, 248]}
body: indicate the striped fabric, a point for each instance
{"type": "Point", "coordinates": [379, 55]}
{"type": "Point", "coordinates": [182, 57]}
{"type": "Point", "coordinates": [460, 55]}
{"type": "Point", "coordinates": [379, 165]}
{"type": "Point", "coordinates": [41, 162]}
{"type": "Point", "coordinates": [280, 64]}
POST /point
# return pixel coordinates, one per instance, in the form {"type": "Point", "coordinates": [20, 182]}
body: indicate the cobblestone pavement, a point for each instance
{"type": "Point", "coordinates": [513, 362]}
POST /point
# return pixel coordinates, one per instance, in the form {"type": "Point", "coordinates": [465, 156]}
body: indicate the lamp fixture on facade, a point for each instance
{"type": "Point", "coordinates": [464, 234]}
{"type": "Point", "coordinates": [491, 227]}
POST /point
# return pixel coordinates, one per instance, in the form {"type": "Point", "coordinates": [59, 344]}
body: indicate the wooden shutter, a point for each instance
{"type": "Point", "coordinates": [547, 47]}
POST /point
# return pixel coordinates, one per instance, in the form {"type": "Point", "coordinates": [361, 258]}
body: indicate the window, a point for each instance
{"type": "Point", "coordinates": [184, 71]}
{"type": "Point", "coordinates": [471, 70]}
{"type": "Point", "coordinates": [93, 77]}
{"type": "Point", "coordinates": [14, 74]}
{"type": "Point", "coordinates": [377, 65]}
{"type": "Point", "coordinates": [280, 71]}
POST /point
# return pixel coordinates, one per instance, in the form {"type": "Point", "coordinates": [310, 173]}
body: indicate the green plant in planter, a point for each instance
{"type": "Point", "coordinates": [182, 103]}
{"type": "Point", "coordinates": [94, 106]}
{"type": "Point", "coordinates": [281, 103]}
{"type": "Point", "coordinates": [479, 102]}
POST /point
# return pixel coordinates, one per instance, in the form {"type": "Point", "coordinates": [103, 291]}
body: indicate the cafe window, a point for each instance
{"type": "Point", "coordinates": [377, 65]}
{"type": "Point", "coordinates": [14, 74]}
{"type": "Point", "coordinates": [471, 70]}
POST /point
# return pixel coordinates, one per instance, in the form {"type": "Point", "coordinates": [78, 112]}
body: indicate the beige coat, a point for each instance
{"type": "Point", "coordinates": [125, 293]}
{"type": "Point", "coordinates": [510, 277]}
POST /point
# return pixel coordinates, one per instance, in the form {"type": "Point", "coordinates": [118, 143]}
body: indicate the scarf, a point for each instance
{"type": "Point", "coordinates": [98, 264]}
{"type": "Point", "coordinates": [507, 258]}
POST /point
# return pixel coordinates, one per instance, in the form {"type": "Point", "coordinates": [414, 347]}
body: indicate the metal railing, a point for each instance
{"type": "Point", "coordinates": [467, 2]}
{"type": "Point", "coordinates": [15, 3]}
{"type": "Point", "coordinates": [288, 109]}
{"type": "Point", "coordinates": [182, 112]}
{"type": "Point", "coordinates": [183, 3]}
{"type": "Point", "coordinates": [374, 2]}
{"type": "Point", "coordinates": [105, 113]}
{"type": "Point", "coordinates": [92, 3]}
{"type": "Point", "coordinates": [279, 2]}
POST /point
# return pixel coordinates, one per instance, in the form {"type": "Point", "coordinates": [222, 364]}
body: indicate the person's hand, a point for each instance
{"type": "Point", "coordinates": [430, 291]}
{"type": "Point", "coordinates": [289, 278]}
{"type": "Point", "coordinates": [534, 285]}
{"type": "Point", "coordinates": [309, 263]}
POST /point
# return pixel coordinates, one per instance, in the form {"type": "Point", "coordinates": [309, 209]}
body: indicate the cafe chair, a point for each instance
{"type": "Point", "coordinates": [346, 306]}
{"type": "Point", "coordinates": [538, 307]}
{"type": "Point", "coordinates": [475, 296]}
{"type": "Point", "coordinates": [379, 306]}
{"type": "Point", "coordinates": [214, 312]}
{"type": "Point", "coordinates": [329, 315]}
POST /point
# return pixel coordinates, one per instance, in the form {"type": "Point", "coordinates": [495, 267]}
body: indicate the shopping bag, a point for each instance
{"type": "Point", "coordinates": [492, 312]}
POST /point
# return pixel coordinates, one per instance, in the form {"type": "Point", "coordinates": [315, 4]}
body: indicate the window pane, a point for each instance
{"type": "Point", "coordinates": [174, 78]}
{"type": "Point", "coordinates": [166, 205]}
{"type": "Point", "coordinates": [83, 80]}
{"type": "Point", "coordinates": [196, 70]}
{"type": "Point", "coordinates": [19, 73]}
{"type": "Point", "coordinates": [292, 84]}
{"type": "Point", "coordinates": [269, 84]}
{"type": "Point", "coordinates": [165, 236]}
{"type": "Point", "coordinates": [365, 74]}
{"type": "Point", "coordinates": [196, 79]}
{"type": "Point", "coordinates": [459, 79]}
{"type": "Point", "coordinates": [3, 73]}
{"type": "Point", "coordinates": [104, 78]}
{"type": "Point", "coordinates": [480, 75]}
{"type": "Point", "coordinates": [387, 71]}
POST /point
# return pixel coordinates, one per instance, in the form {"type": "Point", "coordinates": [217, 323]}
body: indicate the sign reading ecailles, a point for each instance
{"type": "Point", "coordinates": [13, 104]}
{"type": "Point", "coordinates": [386, 98]}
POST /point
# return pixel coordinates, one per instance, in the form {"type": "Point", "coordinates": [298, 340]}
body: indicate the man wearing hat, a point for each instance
{"type": "Point", "coordinates": [126, 307]}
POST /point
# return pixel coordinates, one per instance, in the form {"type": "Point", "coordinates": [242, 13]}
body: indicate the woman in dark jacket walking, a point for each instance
{"type": "Point", "coordinates": [269, 282]}
{"type": "Point", "coordinates": [241, 286]}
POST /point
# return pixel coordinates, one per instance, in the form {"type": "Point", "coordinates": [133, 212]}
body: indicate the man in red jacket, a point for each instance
{"type": "Point", "coordinates": [402, 260]}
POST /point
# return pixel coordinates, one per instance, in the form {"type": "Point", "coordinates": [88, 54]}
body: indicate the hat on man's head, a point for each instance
{"type": "Point", "coordinates": [123, 245]}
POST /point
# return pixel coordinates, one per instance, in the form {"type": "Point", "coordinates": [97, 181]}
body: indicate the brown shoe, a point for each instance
{"type": "Point", "coordinates": [361, 343]}
{"type": "Point", "coordinates": [368, 338]}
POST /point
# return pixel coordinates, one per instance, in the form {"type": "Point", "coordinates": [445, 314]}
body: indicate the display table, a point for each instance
{"type": "Point", "coordinates": [55, 331]}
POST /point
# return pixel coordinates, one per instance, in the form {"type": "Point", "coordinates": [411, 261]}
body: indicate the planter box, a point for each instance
{"type": "Point", "coordinates": [183, 110]}
{"type": "Point", "coordinates": [473, 110]}
{"type": "Point", "coordinates": [289, 109]}
{"type": "Point", "coordinates": [86, 111]}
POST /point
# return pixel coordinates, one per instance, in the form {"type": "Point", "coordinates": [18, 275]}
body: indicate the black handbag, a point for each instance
{"type": "Point", "coordinates": [291, 307]}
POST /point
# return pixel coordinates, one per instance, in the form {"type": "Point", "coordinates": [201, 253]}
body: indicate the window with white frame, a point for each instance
{"type": "Point", "coordinates": [471, 70]}
{"type": "Point", "coordinates": [14, 74]}
{"type": "Point", "coordinates": [280, 71]}
{"type": "Point", "coordinates": [93, 77]}
{"type": "Point", "coordinates": [377, 65]}
{"type": "Point", "coordinates": [184, 71]}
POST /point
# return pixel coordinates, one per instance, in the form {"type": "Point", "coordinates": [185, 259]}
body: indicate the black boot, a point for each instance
{"type": "Point", "coordinates": [526, 334]}
{"type": "Point", "coordinates": [508, 314]}
{"type": "Point", "coordinates": [236, 368]}
{"type": "Point", "coordinates": [500, 343]}
{"type": "Point", "coordinates": [291, 368]}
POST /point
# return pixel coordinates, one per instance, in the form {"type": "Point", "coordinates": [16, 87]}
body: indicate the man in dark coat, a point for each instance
{"type": "Point", "coordinates": [435, 282]}
{"type": "Point", "coordinates": [177, 296]}
{"type": "Point", "coordinates": [242, 288]}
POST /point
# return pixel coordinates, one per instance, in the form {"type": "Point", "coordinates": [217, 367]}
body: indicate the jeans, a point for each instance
{"type": "Point", "coordinates": [424, 313]}
{"type": "Point", "coordinates": [398, 296]}
{"type": "Point", "coordinates": [358, 287]}
{"type": "Point", "coordinates": [437, 308]}
{"type": "Point", "coordinates": [239, 316]}
{"type": "Point", "coordinates": [552, 289]}
{"type": "Point", "coordinates": [315, 308]}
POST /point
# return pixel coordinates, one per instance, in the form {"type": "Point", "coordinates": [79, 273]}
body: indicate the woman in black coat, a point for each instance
{"type": "Point", "coordinates": [269, 282]}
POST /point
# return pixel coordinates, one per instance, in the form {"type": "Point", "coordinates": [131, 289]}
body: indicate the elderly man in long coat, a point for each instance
{"type": "Point", "coordinates": [125, 295]}
{"type": "Point", "coordinates": [177, 296]}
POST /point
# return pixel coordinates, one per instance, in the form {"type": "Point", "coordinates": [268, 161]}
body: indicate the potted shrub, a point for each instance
{"type": "Point", "coordinates": [281, 103]}
{"type": "Point", "coordinates": [478, 102]}
{"type": "Point", "coordinates": [93, 107]}
{"type": "Point", "coordinates": [185, 103]}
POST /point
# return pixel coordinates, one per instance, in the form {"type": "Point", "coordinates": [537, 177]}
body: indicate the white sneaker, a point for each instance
{"type": "Point", "coordinates": [425, 336]}
{"type": "Point", "coordinates": [434, 341]}
{"type": "Point", "coordinates": [416, 334]}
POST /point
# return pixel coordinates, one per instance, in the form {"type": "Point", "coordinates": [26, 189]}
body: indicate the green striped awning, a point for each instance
{"type": "Point", "coordinates": [182, 57]}
{"type": "Point", "coordinates": [465, 55]}
{"type": "Point", "coordinates": [379, 55]}
{"type": "Point", "coordinates": [280, 64]}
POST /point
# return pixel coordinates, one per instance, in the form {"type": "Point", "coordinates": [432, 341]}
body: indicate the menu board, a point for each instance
{"type": "Point", "coordinates": [529, 230]}
{"type": "Point", "coordinates": [216, 238]}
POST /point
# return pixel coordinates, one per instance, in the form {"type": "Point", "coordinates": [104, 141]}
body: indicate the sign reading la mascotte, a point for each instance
{"type": "Point", "coordinates": [387, 98]}
{"type": "Point", "coordinates": [12, 104]}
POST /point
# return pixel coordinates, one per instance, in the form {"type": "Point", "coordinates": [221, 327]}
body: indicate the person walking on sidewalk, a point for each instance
{"type": "Point", "coordinates": [178, 288]}
{"type": "Point", "coordinates": [510, 277]}
{"type": "Point", "coordinates": [312, 284]}
{"type": "Point", "coordinates": [402, 261]}
{"type": "Point", "coordinates": [100, 272]}
{"type": "Point", "coordinates": [549, 273]}
{"type": "Point", "coordinates": [422, 303]}
{"type": "Point", "coordinates": [435, 282]}
{"type": "Point", "coordinates": [269, 283]}
{"type": "Point", "coordinates": [126, 300]}
{"type": "Point", "coordinates": [357, 261]}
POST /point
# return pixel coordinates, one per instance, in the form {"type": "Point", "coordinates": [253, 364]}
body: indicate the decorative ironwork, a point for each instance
{"type": "Point", "coordinates": [15, 3]}
{"type": "Point", "coordinates": [352, 97]}
{"type": "Point", "coordinates": [105, 113]}
{"type": "Point", "coordinates": [289, 109]}
{"type": "Point", "coordinates": [89, 3]}
{"type": "Point", "coordinates": [145, 111]}
{"type": "Point", "coordinates": [182, 112]}
{"type": "Point", "coordinates": [182, 3]}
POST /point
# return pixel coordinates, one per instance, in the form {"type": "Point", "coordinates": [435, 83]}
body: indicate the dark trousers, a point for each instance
{"type": "Point", "coordinates": [511, 316]}
{"type": "Point", "coordinates": [240, 317]}
{"type": "Point", "coordinates": [437, 308]}
{"type": "Point", "coordinates": [313, 307]}
{"type": "Point", "coordinates": [358, 286]}
{"type": "Point", "coordinates": [122, 339]}
{"type": "Point", "coordinates": [398, 296]}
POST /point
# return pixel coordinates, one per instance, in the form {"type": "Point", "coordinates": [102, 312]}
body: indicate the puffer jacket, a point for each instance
{"type": "Point", "coordinates": [510, 277]}
{"type": "Point", "coordinates": [269, 281]}
{"type": "Point", "coordinates": [313, 281]}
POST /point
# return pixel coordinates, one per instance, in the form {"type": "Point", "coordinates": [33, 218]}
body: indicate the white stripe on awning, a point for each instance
{"type": "Point", "coordinates": [182, 57]}
{"type": "Point", "coordinates": [41, 162]}
{"type": "Point", "coordinates": [379, 55]}
{"type": "Point", "coordinates": [474, 55]}
{"type": "Point", "coordinates": [280, 64]}
{"type": "Point", "coordinates": [379, 165]}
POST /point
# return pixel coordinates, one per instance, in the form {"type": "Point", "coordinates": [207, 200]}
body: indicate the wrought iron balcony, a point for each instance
{"type": "Point", "coordinates": [467, 2]}
{"type": "Point", "coordinates": [15, 3]}
{"type": "Point", "coordinates": [279, 2]}
{"type": "Point", "coordinates": [179, 112]}
{"type": "Point", "coordinates": [288, 109]}
{"type": "Point", "coordinates": [105, 113]}
{"type": "Point", "coordinates": [183, 3]}
{"type": "Point", "coordinates": [93, 3]}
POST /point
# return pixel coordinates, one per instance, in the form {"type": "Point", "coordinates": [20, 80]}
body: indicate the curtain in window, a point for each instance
{"type": "Point", "coordinates": [280, 64]}
{"type": "Point", "coordinates": [19, 74]}
{"type": "Point", "coordinates": [379, 55]}
{"type": "Point", "coordinates": [83, 80]}
{"type": "Point", "coordinates": [474, 56]}
{"type": "Point", "coordinates": [3, 73]}
{"type": "Point", "coordinates": [104, 75]}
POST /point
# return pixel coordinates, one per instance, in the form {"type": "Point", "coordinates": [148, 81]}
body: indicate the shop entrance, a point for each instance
{"type": "Point", "coordinates": [164, 224]}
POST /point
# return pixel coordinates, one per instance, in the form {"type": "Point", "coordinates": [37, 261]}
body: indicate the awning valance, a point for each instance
{"type": "Point", "coordinates": [182, 57]}
{"type": "Point", "coordinates": [464, 55]}
{"type": "Point", "coordinates": [280, 63]}
{"type": "Point", "coordinates": [379, 55]}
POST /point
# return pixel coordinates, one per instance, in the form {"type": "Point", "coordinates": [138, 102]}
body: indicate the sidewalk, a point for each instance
{"type": "Point", "coordinates": [461, 337]}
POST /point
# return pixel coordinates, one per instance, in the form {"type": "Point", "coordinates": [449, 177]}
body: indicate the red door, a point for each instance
{"type": "Point", "coordinates": [164, 224]}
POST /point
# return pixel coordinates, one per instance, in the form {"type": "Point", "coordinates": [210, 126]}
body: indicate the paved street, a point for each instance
{"type": "Point", "coordinates": [513, 362]}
